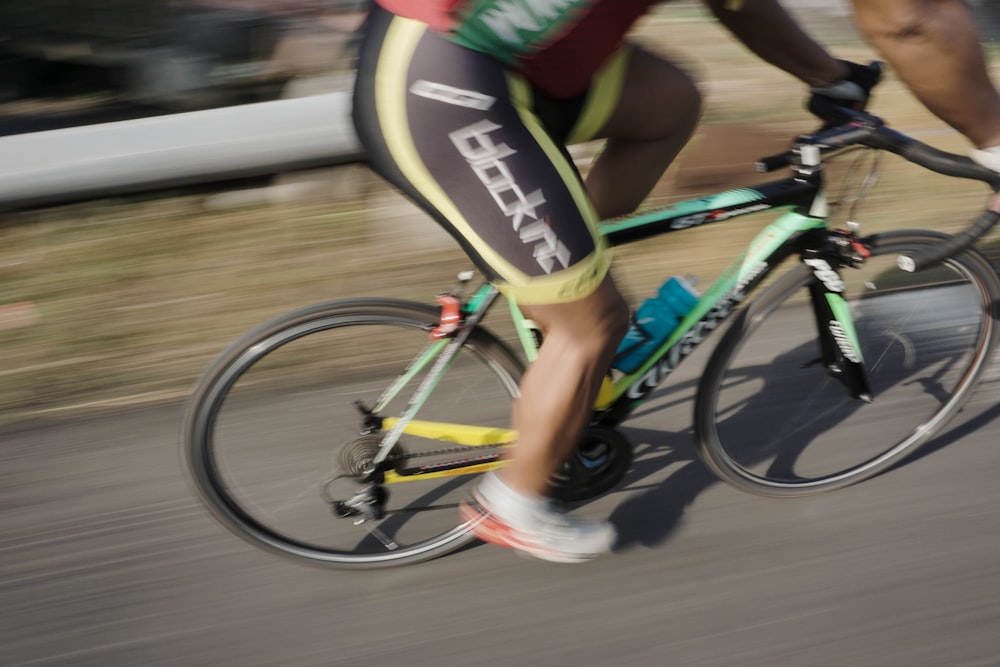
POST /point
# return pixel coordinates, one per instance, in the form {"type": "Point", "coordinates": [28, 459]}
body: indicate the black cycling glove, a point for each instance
{"type": "Point", "coordinates": [852, 92]}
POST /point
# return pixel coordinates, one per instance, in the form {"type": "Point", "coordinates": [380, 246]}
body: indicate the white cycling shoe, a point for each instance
{"type": "Point", "coordinates": [499, 515]}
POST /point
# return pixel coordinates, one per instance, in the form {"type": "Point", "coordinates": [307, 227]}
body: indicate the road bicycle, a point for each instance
{"type": "Point", "coordinates": [345, 433]}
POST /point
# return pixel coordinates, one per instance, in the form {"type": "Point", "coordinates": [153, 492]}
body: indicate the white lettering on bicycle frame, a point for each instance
{"type": "Point", "coordinates": [695, 219]}
{"type": "Point", "coordinates": [687, 221]}
{"type": "Point", "coordinates": [685, 346]}
{"type": "Point", "coordinates": [843, 342]}
{"type": "Point", "coordinates": [689, 341]}
{"type": "Point", "coordinates": [486, 159]}
{"type": "Point", "coordinates": [451, 95]}
{"type": "Point", "coordinates": [826, 275]}
{"type": "Point", "coordinates": [754, 273]}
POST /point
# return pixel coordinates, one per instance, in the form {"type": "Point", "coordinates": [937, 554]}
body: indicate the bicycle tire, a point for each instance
{"type": "Point", "coordinates": [268, 421]}
{"type": "Point", "coordinates": [774, 425]}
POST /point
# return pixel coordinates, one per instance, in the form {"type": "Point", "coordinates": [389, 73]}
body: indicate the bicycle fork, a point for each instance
{"type": "Point", "coordinates": [840, 347]}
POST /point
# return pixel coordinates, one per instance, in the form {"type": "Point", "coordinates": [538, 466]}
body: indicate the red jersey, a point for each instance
{"type": "Point", "coordinates": [558, 45]}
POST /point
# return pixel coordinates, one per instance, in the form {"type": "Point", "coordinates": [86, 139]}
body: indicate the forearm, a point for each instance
{"type": "Point", "coordinates": [773, 35]}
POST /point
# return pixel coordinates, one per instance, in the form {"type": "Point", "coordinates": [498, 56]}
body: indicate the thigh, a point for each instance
{"type": "Point", "coordinates": [657, 98]}
{"type": "Point", "coordinates": [637, 96]}
{"type": "Point", "coordinates": [456, 131]}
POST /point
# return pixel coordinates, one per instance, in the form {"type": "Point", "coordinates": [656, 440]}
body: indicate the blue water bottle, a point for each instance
{"type": "Point", "coordinates": [680, 294]}
{"type": "Point", "coordinates": [653, 322]}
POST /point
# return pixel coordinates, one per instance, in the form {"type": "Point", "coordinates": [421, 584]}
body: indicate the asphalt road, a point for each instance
{"type": "Point", "coordinates": [107, 559]}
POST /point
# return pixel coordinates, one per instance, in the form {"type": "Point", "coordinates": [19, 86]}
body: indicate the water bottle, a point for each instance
{"type": "Point", "coordinates": [653, 322]}
{"type": "Point", "coordinates": [680, 294]}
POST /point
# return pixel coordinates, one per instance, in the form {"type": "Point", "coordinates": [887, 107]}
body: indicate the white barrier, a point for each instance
{"type": "Point", "coordinates": [181, 149]}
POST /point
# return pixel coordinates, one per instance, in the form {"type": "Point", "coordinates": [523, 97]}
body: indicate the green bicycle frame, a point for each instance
{"type": "Point", "coordinates": [801, 227]}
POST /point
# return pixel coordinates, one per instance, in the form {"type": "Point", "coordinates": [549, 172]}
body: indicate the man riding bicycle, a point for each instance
{"type": "Point", "coordinates": [467, 107]}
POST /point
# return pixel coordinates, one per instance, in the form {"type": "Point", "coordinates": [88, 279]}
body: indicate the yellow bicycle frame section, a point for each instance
{"type": "Point", "coordinates": [459, 434]}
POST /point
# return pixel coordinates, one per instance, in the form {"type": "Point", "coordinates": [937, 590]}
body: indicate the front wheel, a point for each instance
{"type": "Point", "coordinates": [280, 439]}
{"type": "Point", "coordinates": [772, 421]}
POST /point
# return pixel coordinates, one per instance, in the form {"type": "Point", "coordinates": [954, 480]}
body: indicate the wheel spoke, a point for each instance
{"type": "Point", "coordinates": [769, 425]}
{"type": "Point", "coordinates": [275, 439]}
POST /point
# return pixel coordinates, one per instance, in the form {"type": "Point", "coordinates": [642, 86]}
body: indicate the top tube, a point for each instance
{"type": "Point", "coordinates": [854, 128]}
{"type": "Point", "coordinates": [786, 193]}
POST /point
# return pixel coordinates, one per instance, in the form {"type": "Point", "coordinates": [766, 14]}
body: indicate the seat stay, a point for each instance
{"type": "Point", "coordinates": [436, 372]}
{"type": "Point", "coordinates": [416, 366]}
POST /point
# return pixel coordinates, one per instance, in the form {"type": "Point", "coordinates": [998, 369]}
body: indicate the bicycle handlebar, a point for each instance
{"type": "Point", "coordinates": [957, 243]}
{"type": "Point", "coordinates": [859, 128]}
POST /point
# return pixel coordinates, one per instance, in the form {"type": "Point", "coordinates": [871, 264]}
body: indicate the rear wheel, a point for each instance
{"type": "Point", "coordinates": [771, 421]}
{"type": "Point", "coordinates": [276, 436]}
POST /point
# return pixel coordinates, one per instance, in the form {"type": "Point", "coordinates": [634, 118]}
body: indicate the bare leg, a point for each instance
{"type": "Point", "coordinates": [559, 388]}
{"type": "Point", "coordinates": [654, 118]}
{"type": "Point", "coordinates": [934, 47]}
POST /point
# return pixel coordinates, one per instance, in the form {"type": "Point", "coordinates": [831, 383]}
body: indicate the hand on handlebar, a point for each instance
{"type": "Point", "coordinates": [852, 92]}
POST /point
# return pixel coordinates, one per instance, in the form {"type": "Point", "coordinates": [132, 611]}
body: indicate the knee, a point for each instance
{"type": "Point", "coordinates": [683, 98]}
{"type": "Point", "coordinates": [614, 321]}
{"type": "Point", "coordinates": [660, 96]}
{"type": "Point", "coordinates": [591, 326]}
{"type": "Point", "coordinates": [693, 96]}
{"type": "Point", "coordinates": [609, 326]}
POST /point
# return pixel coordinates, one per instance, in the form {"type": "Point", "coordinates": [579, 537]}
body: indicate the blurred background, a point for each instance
{"type": "Point", "coordinates": [66, 62]}
{"type": "Point", "coordinates": [120, 292]}
{"type": "Point", "coordinates": [189, 167]}
{"type": "Point", "coordinates": [113, 299]}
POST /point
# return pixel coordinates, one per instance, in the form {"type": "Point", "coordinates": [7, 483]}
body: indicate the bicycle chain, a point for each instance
{"type": "Point", "coordinates": [441, 452]}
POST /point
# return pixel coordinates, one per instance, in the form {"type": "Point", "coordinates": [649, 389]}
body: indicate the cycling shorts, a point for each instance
{"type": "Point", "coordinates": [483, 152]}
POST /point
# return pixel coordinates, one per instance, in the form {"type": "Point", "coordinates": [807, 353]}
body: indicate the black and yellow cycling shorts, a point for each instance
{"type": "Point", "coordinates": [484, 154]}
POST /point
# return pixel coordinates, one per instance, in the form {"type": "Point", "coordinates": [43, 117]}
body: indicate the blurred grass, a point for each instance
{"type": "Point", "coordinates": [135, 295]}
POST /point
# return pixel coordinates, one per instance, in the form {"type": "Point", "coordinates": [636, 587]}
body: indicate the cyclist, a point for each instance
{"type": "Point", "coordinates": [467, 106]}
{"type": "Point", "coordinates": [934, 47]}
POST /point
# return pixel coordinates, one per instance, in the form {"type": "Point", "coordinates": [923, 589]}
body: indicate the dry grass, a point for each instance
{"type": "Point", "coordinates": [134, 296]}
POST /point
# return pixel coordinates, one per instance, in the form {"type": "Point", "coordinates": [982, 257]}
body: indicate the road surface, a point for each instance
{"type": "Point", "coordinates": [107, 559]}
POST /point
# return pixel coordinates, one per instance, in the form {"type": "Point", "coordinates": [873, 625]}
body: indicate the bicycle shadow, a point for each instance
{"type": "Point", "coordinates": [667, 475]}
{"type": "Point", "coordinates": [651, 517]}
{"type": "Point", "coordinates": [951, 436]}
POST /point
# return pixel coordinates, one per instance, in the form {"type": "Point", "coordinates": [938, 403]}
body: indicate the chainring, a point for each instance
{"type": "Point", "coordinates": [598, 463]}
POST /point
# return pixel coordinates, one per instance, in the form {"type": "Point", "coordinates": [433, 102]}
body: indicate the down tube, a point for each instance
{"type": "Point", "coordinates": [768, 249]}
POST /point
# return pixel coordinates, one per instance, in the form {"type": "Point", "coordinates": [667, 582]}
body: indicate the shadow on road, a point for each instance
{"type": "Point", "coordinates": [832, 428]}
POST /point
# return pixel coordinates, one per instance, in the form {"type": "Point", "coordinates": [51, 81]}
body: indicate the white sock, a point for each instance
{"type": "Point", "coordinates": [509, 505]}
{"type": "Point", "coordinates": [987, 157]}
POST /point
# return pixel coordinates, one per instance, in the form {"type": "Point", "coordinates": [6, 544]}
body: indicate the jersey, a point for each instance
{"type": "Point", "coordinates": [557, 45]}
